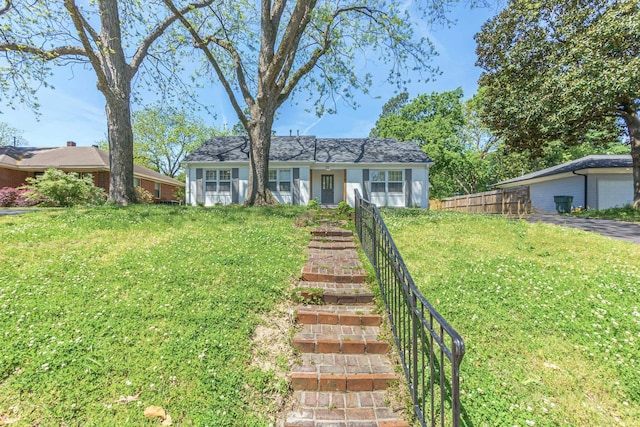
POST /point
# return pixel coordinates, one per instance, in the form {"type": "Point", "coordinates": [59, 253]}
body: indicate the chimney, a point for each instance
{"type": "Point", "coordinates": [71, 144]}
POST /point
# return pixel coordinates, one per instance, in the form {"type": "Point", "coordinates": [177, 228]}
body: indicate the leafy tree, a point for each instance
{"type": "Point", "coordinates": [262, 52]}
{"type": "Point", "coordinates": [163, 136]}
{"type": "Point", "coordinates": [101, 34]}
{"type": "Point", "coordinates": [556, 70]}
{"type": "Point", "coordinates": [435, 122]}
{"type": "Point", "coordinates": [11, 136]}
{"type": "Point", "coordinates": [58, 188]}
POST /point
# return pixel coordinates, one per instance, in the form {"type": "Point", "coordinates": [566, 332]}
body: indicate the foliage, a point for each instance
{"type": "Point", "coordinates": [626, 213]}
{"type": "Point", "coordinates": [435, 122]}
{"type": "Point", "coordinates": [558, 69]}
{"type": "Point", "coordinates": [111, 37]}
{"type": "Point", "coordinates": [263, 52]}
{"type": "Point", "coordinates": [162, 136]}
{"type": "Point", "coordinates": [548, 315]}
{"type": "Point", "coordinates": [344, 208]}
{"type": "Point", "coordinates": [144, 196]}
{"type": "Point", "coordinates": [157, 304]}
{"type": "Point", "coordinates": [11, 136]}
{"type": "Point", "coordinates": [313, 204]}
{"type": "Point", "coordinates": [8, 196]}
{"type": "Point", "coordinates": [58, 188]}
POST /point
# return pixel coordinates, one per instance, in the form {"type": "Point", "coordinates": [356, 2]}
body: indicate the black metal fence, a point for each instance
{"type": "Point", "coordinates": [430, 349]}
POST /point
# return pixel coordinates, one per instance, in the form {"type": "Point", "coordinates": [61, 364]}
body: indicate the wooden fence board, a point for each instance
{"type": "Point", "coordinates": [506, 201]}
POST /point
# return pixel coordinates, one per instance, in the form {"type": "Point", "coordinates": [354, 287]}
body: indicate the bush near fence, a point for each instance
{"type": "Point", "coordinates": [505, 201]}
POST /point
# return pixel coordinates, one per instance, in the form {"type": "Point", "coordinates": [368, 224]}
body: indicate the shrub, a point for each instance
{"type": "Point", "coordinates": [16, 197]}
{"type": "Point", "coordinates": [25, 199]}
{"type": "Point", "coordinates": [58, 188]}
{"type": "Point", "coordinates": [313, 204]}
{"type": "Point", "coordinates": [8, 195]}
{"type": "Point", "coordinates": [143, 196]}
{"type": "Point", "coordinates": [344, 208]}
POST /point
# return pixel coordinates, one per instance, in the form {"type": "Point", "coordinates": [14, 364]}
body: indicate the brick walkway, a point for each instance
{"type": "Point", "coordinates": [344, 369]}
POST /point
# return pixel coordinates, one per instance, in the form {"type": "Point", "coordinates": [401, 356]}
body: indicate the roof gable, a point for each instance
{"type": "Point", "coordinates": [312, 149]}
{"type": "Point", "coordinates": [596, 161]}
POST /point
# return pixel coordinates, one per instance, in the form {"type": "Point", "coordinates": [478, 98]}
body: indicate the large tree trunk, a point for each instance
{"type": "Point", "coordinates": [630, 116]}
{"type": "Point", "coordinates": [120, 137]}
{"type": "Point", "coordinates": [258, 193]}
{"type": "Point", "coordinates": [116, 87]}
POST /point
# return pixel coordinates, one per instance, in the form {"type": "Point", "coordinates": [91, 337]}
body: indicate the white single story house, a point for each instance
{"type": "Point", "coordinates": [302, 168]}
{"type": "Point", "coordinates": [597, 182]}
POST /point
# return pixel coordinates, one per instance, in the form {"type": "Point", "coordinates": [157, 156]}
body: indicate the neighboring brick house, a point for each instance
{"type": "Point", "coordinates": [19, 163]}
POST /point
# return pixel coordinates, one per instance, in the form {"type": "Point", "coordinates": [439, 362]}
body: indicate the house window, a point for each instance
{"type": "Point", "coordinates": [156, 190]}
{"type": "Point", "coordinates": [386, 181]}
{"type": "Point", "coordinates": [136, 182]}
{"type": "Point", "coordinates": [280, 180]}
{"type": "Point", "coordinates": [218, 181]}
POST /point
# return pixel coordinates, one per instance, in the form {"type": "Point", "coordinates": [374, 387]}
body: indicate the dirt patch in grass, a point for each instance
{"type": "Point", "coordinates": [272, 359]}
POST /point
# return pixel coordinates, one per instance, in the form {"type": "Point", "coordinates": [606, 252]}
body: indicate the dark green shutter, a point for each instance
{"type": "Point", "coordinates": [365, 184]}
{"type": "Point", "coordinates": [408, 181]}
{"type": "Point", "coordinates": [235, 186]}
{"type": "Point", "coordinates": [296, 187]}
{"type": "Point", "coordinates": [199, 186]}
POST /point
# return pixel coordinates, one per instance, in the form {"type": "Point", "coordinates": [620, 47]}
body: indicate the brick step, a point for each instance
{"type": "Point", "coordinates": [333, 273]}
{"type": "Point", "coordinates": [343, 364]}
{"type": "Point", "coordinates": [331, 231]}
{"type": "Point", "coordinates": [339, 339]}
{"type": "Point", "coordinates": [355, 317]}
{"type": "Point", "coordinates": [334, 239]}
{"type": "Point", "coordinates": [334, 293]}
{"type": "Point", "coordinates": [341, 382]}
{"type": "Point", "coordinates": [343, 409]}
{"type": "Point", "coordinates": [334, 246]}
{"type": "Point", "coordinates": [344, 257]}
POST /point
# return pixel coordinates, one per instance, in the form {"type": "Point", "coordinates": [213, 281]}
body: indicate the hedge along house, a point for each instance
{"type": "Point", "coordinates": [302, 168]}
{"type": "Point", "coordinates": [19, 163]}
{"type": "Point", "coordinates": [597, 182]}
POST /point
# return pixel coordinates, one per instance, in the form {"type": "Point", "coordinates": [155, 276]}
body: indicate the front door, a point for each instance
{"type": "Point", "coordinates": [326, 198]}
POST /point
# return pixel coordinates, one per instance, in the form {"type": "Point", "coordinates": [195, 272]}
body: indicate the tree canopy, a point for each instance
{"type": "Point", "coordinates": [264, 52]}
{"type": "Point", "coordinates": [562, 70]}
{"type": "Point", "coordinates": [162, 136]}
{"type": "Point", "coordinates": [111, 37]}
{"type": "Point", "coordinates": [11, 136]}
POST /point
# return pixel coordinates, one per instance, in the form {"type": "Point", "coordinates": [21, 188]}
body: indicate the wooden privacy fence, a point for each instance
{"type": "Point", "coordinates": [506, 201]}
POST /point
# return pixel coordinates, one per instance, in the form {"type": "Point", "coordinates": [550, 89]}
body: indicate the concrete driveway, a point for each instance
{"type": "Point", "coordinates": [627, 231]}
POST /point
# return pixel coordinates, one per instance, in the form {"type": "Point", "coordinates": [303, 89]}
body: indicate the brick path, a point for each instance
{"type": "Point", "coordinates": [344, 369]}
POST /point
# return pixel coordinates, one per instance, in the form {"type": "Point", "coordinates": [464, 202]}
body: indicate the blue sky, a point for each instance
{"type": "Point", "coordinates": [74, 110]}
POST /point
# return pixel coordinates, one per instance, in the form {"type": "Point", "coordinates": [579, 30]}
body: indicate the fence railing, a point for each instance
{"type": "Point", "coordinates": [430, 349]}
{"type": "Point", "coordinates": [507, 201]}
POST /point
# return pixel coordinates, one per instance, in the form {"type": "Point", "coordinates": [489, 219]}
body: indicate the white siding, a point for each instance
{"type": "Point", "coordinates": [542, 193]}
{"type": "Point", "coordinates": [419, 187]}
{"type": "Point", "coordinates": [354, 181]}
{"type": "Point", "coordinates": [305, 185]}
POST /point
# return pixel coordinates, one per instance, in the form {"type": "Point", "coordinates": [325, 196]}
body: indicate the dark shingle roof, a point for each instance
{"type": "Point", "coordinates": [596, 161]}
{"type": "Point", "coordinates": [310, 149]}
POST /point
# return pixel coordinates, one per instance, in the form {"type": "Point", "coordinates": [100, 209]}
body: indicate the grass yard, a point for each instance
{"type": "Point", "coordinates": [550, 316]}
{"type": "Point", "coordinates": [106, 311]}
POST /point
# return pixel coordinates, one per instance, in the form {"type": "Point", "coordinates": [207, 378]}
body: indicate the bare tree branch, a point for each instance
{"type": "Point", "coordinates": [47, 55]}
{"type": "Point", "coordinates": [143, 49]}
{"type": "Point", "coordinates": [200, 43]}
{"type": "Point", "coordinates": [7, 6]}
{"type": "Point", "coordinates": [97, 60]}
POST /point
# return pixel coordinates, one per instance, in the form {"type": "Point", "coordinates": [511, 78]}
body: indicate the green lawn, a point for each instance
{"type": "Point", "coordinates": [148, 304]}
{"type": "Point", "coordinates": [550, 316]}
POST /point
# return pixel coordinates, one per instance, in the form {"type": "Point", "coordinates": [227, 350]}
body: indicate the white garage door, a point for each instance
{"type": "Point", "coordinates": [612, 193]}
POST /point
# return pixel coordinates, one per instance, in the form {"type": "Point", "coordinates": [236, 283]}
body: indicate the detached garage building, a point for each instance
{"type": "Point", "coordinates": [597, 182]}
{"type": "Point", "coordinates": [301, 168]}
